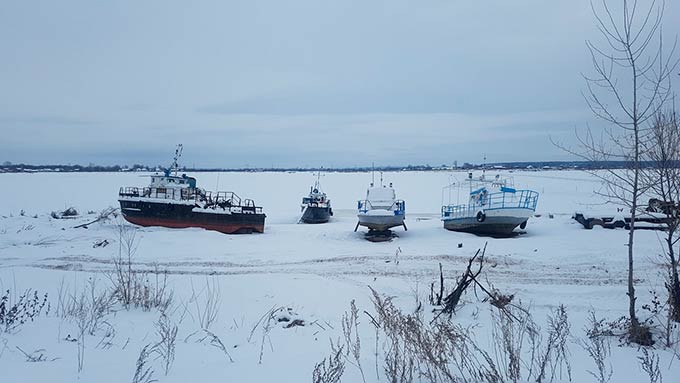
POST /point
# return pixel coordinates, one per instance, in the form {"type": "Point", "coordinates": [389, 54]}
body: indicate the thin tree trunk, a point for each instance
{"type": "Point", "coordinates": [634, 324]}
{"type": "Point", "coordinates": [631, 286]}
{"type": "Point", "coordinates": [674, 288]}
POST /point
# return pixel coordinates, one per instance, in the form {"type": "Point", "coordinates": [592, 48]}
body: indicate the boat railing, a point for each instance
{"type": "Point", "coordinates": [206, 199]}
{"type": "Point", "coordinates": [519, 199]}
{"type": "Point", "coordinates": [398, 206]}
{"type": "Point", "coordinates": [183, 194]}
{"type": "Point", "coordinates": [315, 202]}
{"type": "Point", "coordinates": [227, 199]}
{"type": "Point", "coordinates": [459, 211]}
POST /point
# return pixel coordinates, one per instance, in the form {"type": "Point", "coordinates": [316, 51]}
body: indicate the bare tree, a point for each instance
{"type": "Point", "coordinates": [662, 152]}
{"type": "Point", "coordinates": [630, 84]}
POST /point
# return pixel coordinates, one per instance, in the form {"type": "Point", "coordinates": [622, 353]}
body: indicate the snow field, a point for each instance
{"type": "Point", "coordinates": [313, 270]}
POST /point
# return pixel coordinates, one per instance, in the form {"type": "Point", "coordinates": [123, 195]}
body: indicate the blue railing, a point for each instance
{"type": "Point", "coordinates": [519, 199]}
{"type": "Point", "coordinates": [399, 207]}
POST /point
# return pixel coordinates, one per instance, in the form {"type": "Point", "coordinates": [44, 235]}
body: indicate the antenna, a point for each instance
{"type": "Point", "coordinates": [372, 173]}
{"type": "Point", "coordinates": [484, 167]}
{"type": "Point", "coordinates": [178, 154]}
{"type": "Point", "coordinates": [317, 184]}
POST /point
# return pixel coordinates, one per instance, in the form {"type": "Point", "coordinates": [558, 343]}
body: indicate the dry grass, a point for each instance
{"type": "Point", "coordinates": [331, 368]}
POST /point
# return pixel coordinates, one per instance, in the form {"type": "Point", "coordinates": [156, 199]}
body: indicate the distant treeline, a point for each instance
{"type": "Point", "coordinates": [530, 165]}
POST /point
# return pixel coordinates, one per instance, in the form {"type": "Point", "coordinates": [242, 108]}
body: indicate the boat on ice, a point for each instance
{"type": "Point", "coordinates": [494, 207]}
{"type": "Point", "coordinates": [381, 210]}
{"type": "Point", "coordinates": [316, 207]}
{"type": "Point", "coordinates": [173, 200]}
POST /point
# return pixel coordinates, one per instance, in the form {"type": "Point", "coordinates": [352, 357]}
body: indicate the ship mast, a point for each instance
{"type": "Point", "coordinates": [317, 183]}
{"type": "Point", "coordinates": [372, 174]}
{"type": "Point", "coordinates": [178, 154]}
{"type": "Point", "coordinates": [484, 167]}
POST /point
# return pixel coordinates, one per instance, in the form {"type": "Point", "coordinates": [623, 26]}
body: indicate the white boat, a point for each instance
{"type": "Point", "coordinates": [381, 210]}
{"type": "Point", "coordinates": [494, 207]}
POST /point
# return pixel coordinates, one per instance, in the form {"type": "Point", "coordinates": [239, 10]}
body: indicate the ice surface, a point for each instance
{"type": "Point", "coordinates": [311, 272]}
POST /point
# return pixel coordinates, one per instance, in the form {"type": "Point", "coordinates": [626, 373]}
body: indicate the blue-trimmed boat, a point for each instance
{"type": "Point", "coordinates": [381, 210]}
{"type": "Point", "coordinates": [494, 208]}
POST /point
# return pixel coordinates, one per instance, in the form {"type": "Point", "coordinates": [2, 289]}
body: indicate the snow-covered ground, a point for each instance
{"type": "Point", "coordinates": [311, 271]}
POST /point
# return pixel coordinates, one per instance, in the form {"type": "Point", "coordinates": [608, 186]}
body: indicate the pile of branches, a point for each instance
{"type": "Point", "coordinates": [468, 278]}
{"type": "Point", "coordinates": [103, 216]}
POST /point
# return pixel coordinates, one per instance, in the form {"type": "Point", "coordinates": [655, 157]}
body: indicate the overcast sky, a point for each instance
{"type": "Point", "coordinates": [295, 82]}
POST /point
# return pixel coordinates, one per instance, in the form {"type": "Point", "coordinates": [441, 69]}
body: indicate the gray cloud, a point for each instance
{"type": "Point", "coordinates": [293, 83]}
{"type": "Point", "coordinates": [33, 120]}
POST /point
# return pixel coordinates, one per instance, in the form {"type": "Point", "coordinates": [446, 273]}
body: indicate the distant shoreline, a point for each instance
{"type": "Point", "coordinates": [536, 165]}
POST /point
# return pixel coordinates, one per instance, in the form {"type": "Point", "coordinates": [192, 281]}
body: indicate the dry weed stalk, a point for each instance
{"type": "Point", "coordinates": [598, 347]}
{"type": "Point", "coordinates": [207, 303]}
{"type": "Point", "coordinates": [399, 366]}
{"type": "Point", "coordinates": [512, 328]}
{"type": "Point", "coordinates": [649, 361]}
{"type": "Point", "coordinates": [266, 323]}
{"type": "Point", "coordinates": [36, 356]}
{"type": "Point", "coordinates": [124, 277]}
{"type": "Point", "coordinates": [165, 348]}
{"type": "Point", "coordinates": [131, 287]}
{"type": "Point", "coordinates": [88, 309]}
{"type": "Point", "coordinates": [350, 330]}
{"type": "Point", "coordinates": [377, 327]}
{"type": "Point", "coordinates": [144, 372]}
{"type": "Point", "coordinates": [330, 369]}
{"type": "Point", "coordinates": [555, 354]}
{"type": "Point", "coordinates": [441, 351]}
{"type": "Point", "coordinates": [215, 341]}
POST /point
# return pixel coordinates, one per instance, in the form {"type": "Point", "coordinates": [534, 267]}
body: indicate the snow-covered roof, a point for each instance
{"type": "Point", "coordinates": [375, 194]}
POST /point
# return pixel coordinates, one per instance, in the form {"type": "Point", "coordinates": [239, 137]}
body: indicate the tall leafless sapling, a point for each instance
{"type": "Point", "coordinates": [630, 84]}
{"type": "Point", "coordinates": [663, 175]}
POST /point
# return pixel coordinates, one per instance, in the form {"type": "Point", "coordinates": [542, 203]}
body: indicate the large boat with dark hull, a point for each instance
{"type": "Point", "coordinates": [175, 201]}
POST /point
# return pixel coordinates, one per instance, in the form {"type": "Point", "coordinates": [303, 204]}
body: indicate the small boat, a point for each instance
{"type": "Point", "coordinates": [175, 201]}
{"type": "Point", "coordinates": [381, 210]}
{"type": "Point", "coordinates": [494, 207]}
{"type": "Point", "coordinates": [316, 207]}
